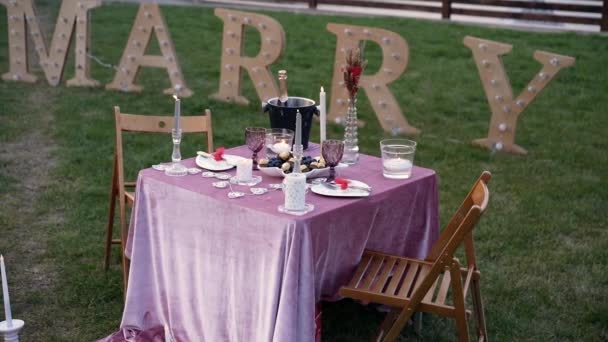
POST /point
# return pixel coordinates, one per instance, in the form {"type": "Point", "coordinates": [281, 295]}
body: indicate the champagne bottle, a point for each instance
{"type": "Point", "coordinates": [282, 101]}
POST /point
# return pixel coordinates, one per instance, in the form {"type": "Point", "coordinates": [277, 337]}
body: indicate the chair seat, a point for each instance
{"type": "Point", "coordinates": [391, 280]}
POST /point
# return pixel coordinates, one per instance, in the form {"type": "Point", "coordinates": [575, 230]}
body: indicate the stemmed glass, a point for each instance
{"type": "Point", "coordinates": [254, 138]}
{"type": "Point", "coordinates": [332, 151]}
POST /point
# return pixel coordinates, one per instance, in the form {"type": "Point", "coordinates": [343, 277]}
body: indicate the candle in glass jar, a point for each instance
{"type": "Point", "coordinates": [7, 301]}
{"type": "Point", "coordinates": [244, 170]}
{"type": "Point", "coordinates": [280, 147]}
{"type": "Point", "coordinates": [397, 165]}
{"type": "Point", "coordinates": [176, 113]}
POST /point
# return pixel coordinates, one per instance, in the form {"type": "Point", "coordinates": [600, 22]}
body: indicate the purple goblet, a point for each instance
{"type": "Point", "coordinates": [254, 138]}
{"type": "Point", "coordinates": [332, 151]}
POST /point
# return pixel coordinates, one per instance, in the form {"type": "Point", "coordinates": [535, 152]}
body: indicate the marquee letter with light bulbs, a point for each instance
{"type": "Point", "coordinates": [505, 109]}
{"type": "Point", "coordinates": [21, 15]}
{"type": "Point", "coordinates": [272, 43]}
{"type": "Point", "coordinates": [395, 54]}
{"type": "Point", "coordinates": [149, 20]}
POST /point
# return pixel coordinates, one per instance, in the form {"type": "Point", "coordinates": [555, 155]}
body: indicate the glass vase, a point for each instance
{"type": "Point", "coordinates": [351, 142]}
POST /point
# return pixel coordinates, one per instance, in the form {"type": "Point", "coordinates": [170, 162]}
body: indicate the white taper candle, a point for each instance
{"type": "Point", "coordinates": [323, 115]}
{"type": "Point", "coordinates": [7, 301]}
{"type": "Point", "coordinates": [177, 113]}
{"type": "Point", "coordinates": [298, 128]}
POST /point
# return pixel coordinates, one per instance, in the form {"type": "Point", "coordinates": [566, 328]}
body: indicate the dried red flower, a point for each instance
{"type": "Point", "coordinates": [353, 70]}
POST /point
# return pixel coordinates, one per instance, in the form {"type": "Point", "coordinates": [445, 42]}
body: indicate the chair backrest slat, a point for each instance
{"type": "Point", "coordinates": [447, 253]}
{"type": "Point", "coordinates": [162, 124]}
{"type": "Point", "coordinates": [155, 124]}
{"type": "Point", "coordinates": [478, 196]}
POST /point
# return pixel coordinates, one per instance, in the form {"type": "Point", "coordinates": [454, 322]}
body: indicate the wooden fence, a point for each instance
{"type": "Point", "coordinates": [574, 12]}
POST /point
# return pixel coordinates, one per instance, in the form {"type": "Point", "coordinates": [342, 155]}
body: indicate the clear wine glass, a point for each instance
{"type": "Point", "coordinates": [332, 151]}
{"type": "Point", "coordinates": [255, 138]}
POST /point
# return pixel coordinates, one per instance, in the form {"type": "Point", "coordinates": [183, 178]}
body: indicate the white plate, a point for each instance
{"type": "Point", "coordinates": [349, 192]}
{"type": "Point", "coordinates": [211, 164]}
{"type": "Point", "coordinates": [277, 172]}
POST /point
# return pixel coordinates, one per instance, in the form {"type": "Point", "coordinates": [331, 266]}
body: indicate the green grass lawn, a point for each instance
{"type": "Point", "coordinates": [542, 245]}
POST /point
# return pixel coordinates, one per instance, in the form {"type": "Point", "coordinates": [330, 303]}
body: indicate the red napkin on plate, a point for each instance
{"type": "Point", "coordinates": [342, 182]}
{"type": "Point", "coordinates": [218, 154]}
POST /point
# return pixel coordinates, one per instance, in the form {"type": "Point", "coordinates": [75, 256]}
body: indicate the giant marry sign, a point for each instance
{"type": "Point", "coordinates": [73, 25]}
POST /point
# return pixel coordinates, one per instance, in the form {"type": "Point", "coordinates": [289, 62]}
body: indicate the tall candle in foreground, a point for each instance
{"type": "Point", "coordinates": [323, 116]}
{"type": "Point", "coordinates": [177, 113]}
{"type": "Point", "coordinates": [7, 301]}
{"type": "Point", "coordinates": [295, 191]}
{"type": "Point", "coordinates": [298, 128]}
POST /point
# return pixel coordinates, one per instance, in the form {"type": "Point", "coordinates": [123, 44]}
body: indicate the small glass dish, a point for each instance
{"type": "Point", "coordinates": [221, 175]}
{"type": "Point", "coordinates": [220, 184]}
{"type": "Point", "coordinates": [258, 191]}
{"type": "Point", "coordinates": [307, 208]}
{"type": "Point", "coordinates": [251, 182]}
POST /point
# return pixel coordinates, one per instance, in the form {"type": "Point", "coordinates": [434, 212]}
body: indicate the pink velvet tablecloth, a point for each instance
{"type": "Point", "coordinates": [218, 269]}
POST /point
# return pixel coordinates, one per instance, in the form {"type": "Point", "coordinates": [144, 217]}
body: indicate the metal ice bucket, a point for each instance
{"type": "Point", "coordinates": [284, 115]}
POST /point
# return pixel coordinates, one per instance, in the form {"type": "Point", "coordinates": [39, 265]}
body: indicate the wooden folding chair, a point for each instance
{"type": "Point", "coordinates": [118, 188]}
{"type": "Point", "coordinates": [410, 285]}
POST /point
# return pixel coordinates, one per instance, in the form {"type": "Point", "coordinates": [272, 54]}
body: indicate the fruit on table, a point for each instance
{"type": "Point", "coordinates": [285, 162]}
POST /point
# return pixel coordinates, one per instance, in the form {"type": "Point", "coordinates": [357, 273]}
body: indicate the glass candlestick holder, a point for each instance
{"type": "Point", "coordinates": [298, 153]}
{"type": "Point", "coordinates": [177, 169]}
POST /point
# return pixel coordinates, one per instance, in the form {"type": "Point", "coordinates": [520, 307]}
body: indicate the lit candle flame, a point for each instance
{"type": "Point", "coordinates": [175, 97]}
